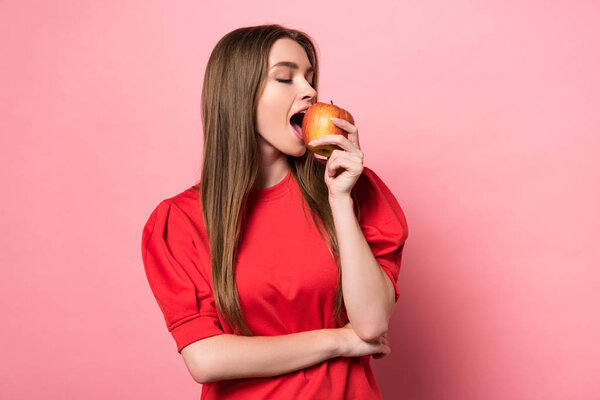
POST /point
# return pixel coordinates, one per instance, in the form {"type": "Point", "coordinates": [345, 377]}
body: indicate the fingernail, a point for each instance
{"type": "Point", "coordinates": [335, 119]}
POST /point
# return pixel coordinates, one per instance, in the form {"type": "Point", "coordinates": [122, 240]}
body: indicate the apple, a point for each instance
{"type": "Point", "coordinates": [317, 123]}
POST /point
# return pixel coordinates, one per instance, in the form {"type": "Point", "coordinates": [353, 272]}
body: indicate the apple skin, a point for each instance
{"type": "Point", "coordinates": [317, 123]}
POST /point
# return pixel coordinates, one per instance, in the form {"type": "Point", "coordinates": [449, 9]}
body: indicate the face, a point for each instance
{"type": "Point", "coordinates": [286, 90]}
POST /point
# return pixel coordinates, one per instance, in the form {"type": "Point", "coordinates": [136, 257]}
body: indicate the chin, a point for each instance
{"type": "Point", "coordinates": [302, 151]}
{"type": "Point", "coordinates": [296, 151]}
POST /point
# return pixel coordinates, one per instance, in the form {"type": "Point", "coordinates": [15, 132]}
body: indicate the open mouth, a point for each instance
{"type": "Point", "coordinates": [296, 121]}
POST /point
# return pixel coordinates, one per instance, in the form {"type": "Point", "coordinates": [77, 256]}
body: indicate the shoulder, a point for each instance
{"type": "Point", "coordinates": [187, 201]}
{"type": "Point", "coordinates": [182, 209]}
{"type": "Point", "coordinates": [376, 200]}
{"type": "Point", "coordinates": [370, 185]}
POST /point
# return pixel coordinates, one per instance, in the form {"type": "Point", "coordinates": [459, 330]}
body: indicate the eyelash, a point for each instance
{"type": "Point", "coordinates": [289, 81]}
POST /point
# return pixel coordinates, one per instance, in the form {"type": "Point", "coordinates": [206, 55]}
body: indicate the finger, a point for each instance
{"type": "Point", "coordinates": [339, 140]}
{"type": "Point", "coordinates": [348, 127]}
{"type": "Point", "coordinates": [384, 352]}
{"type": "Point", "coordinates": [349, 162]}
{"type": "Point", "coordinates": [320, 159]}
{"type": "Point", "coordinates": [345, 125]}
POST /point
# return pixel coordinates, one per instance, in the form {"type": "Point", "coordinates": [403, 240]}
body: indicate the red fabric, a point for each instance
{"type": "Point", "coordinates": [286, 279]}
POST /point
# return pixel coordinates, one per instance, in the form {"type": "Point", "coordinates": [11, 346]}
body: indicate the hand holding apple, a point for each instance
{"type": "Point", "coordinates": [317, 122]}
{"type": "Point", "coordinates": [336, 137]}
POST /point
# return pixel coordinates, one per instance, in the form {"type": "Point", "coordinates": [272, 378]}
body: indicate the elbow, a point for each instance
{"type": "Point", "coordinates": [196, 368]}
{"type": "Point", "coordinates": [198, 377]}
{"type": "Point", "coordinates": [201, 360]}
{"type": "Point", "coordinates": [374, 334]}
{"type": "Point", "coordinates": [205, 373]}
{"type": "Point", "coordinates": [201, 376]}
{"type": "Point", "coordinates": [201, 380]}
{"type": "Point", "coordinates": [197, 373]}
{"type": "Point", "coordinates": [201, 373]}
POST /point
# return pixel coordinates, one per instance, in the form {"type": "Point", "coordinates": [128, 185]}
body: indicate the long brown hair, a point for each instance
{"type": "Point", "coordinates": [233, 81]}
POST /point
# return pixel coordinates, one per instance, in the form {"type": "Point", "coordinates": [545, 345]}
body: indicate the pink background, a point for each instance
{"type": "Point", "coordinates": [482, 117]}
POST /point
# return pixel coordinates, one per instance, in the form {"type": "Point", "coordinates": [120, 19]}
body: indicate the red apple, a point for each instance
{"type": "Point", "coordinates": [317, 123]}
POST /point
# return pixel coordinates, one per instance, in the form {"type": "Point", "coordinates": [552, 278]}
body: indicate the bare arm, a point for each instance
{"type": "Point", "coordinates": [233, 356]}
{"type": "Point", "coordinates": [368, 292]}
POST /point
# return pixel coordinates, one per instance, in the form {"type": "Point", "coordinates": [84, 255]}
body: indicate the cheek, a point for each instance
{"type": "Point", "coordinates": [271, 110]}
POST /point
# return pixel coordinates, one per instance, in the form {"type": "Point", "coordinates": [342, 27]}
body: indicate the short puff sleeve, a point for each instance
{"type": "Point", "coordinates": [382, 222]}
{"type": "Point", "coordinates": [172, 267]}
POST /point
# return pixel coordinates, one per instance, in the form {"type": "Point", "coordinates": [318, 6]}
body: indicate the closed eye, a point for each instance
{"type": "Point", "coordinates": [290, 81]}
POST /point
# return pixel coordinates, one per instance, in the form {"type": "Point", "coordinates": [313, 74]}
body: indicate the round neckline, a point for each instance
{"type": "Point", "coordinates": [273, 192]}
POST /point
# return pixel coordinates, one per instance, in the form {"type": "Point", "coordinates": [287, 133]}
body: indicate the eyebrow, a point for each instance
{"type": "Point", "coordinates": [292, 65]}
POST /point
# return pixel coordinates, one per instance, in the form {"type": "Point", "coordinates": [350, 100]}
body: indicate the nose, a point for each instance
{"type": "Point", "coordinates": [309, 92]}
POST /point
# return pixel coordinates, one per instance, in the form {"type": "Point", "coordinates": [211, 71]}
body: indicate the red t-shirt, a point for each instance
{"type": "Point", "coordinates": [286, 279]}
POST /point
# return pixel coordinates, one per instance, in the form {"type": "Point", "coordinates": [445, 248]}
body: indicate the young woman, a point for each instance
{"type": "Point", "coordinates": [262, 301]}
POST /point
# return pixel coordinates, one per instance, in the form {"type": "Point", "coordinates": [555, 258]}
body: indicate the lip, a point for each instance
{"type": "Point", "coordinates": [300, 109]}
{"type": "Point", "coordinates": [293, 131]}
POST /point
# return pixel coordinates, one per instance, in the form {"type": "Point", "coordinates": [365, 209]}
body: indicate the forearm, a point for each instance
{"type": "Point", "coordinates": [235, 356]}
{"type": "Point", "coordinates": [368, 298]}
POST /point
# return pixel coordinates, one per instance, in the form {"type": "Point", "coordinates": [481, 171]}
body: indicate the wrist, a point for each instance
{"type": "Point", "coordinates": [338, 343]}
{"type": "Point", "coordinates": [340, 201]}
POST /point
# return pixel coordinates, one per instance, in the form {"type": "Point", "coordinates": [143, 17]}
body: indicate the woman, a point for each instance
{"type": "Point", "coordinates": [250, 287]}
